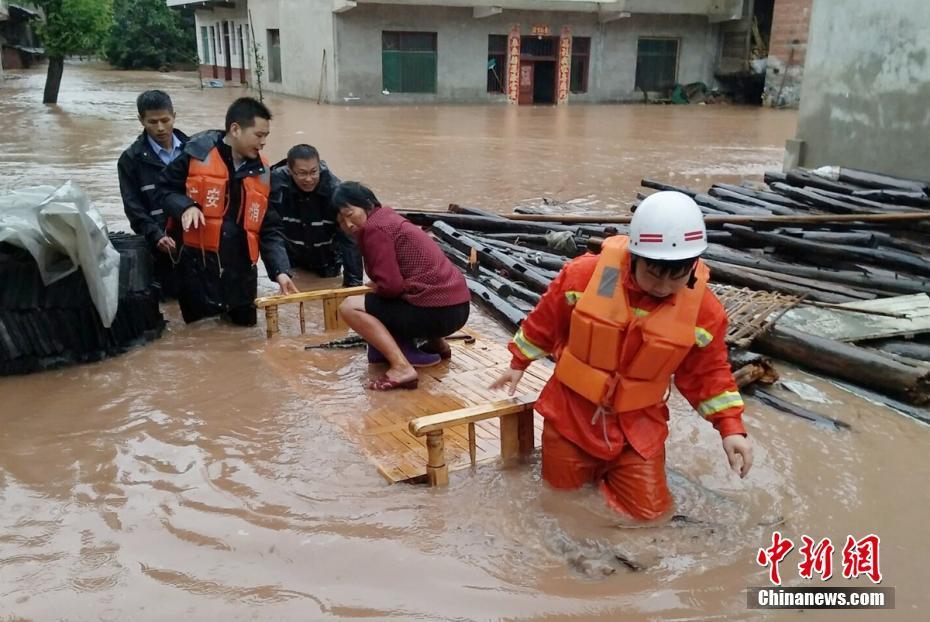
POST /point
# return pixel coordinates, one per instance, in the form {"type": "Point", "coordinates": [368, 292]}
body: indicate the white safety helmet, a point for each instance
{"type": "Point", "coordinates": [669, 226]}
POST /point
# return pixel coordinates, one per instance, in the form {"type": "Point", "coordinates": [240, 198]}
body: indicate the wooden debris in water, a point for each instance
{"type": "Point", "coordinates": [831, 237]}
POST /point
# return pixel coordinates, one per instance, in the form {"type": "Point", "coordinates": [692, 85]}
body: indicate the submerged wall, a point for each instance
{"type": "Point", "coordinates": [865, 102]}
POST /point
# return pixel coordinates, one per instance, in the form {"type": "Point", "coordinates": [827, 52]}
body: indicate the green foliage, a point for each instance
{"type": "Point", "coordinates": [147, 34]}
{"type": "Point", "coordinates": [74, 26]}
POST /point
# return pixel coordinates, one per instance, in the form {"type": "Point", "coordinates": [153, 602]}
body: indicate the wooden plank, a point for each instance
{"type": "Point", "coordinates": [379, 423]}
{"type": "Point", "coordinates": [732, 218]}
{"type": "Point", "coordinates": [437, 473]}
{"type": "Point", "coordinates": [331, 318]}
{"type": "Point", "coordinates": [457, 450]}
{"type": "Point", "coordinates": [396, 450]}
{"type": "Point", "coordinates": [524, 431]}
{"type": "Point", "coordinates": [444, 404]}
{"type": "Point", "coordinates": [510, 436]}
{"type": "Point", "coordinates": [458, 385]}
{"type": "Point", "coordinates": [844, 326]}
{"type": "Point", "coordinates": [498, 408]}
{"type": "Point", "coordinates": [455, 436]}
{"type": "Point", "coordinates": [314, 294]}
{"type": "Point", "coordinates": [470, 358]}
{"type": "Point", "coordinates": [456, 445]}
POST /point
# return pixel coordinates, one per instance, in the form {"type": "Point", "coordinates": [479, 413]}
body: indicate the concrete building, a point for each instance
{"type": "Point", "coordinates": [4, 17]}
{"type": "Point", "coordinates": [787, 52]}
{"type": "Point", "coordinates": [864, 97]}
{"type": "Point", "coordinates": [19, 45]}
{"type": "Point", "coordinates": [477, 51]}
{"type": "Point", "coordinates": [223, 38]}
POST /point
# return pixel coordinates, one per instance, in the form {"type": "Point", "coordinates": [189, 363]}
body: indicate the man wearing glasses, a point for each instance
{"type": "Point", "coordinates": [301, 191]}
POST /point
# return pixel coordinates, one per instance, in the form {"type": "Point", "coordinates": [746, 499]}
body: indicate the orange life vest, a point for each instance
{"type": "Point", "coordinates": [617, 358]}
{"type": "Point", "coordinates": [208, 185]}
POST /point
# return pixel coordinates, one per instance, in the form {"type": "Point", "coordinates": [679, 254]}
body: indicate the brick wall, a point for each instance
{"type": "Point", "coordinates": [790, 25]}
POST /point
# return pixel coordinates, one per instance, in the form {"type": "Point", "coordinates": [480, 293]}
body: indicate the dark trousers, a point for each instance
{"type": "Point", "coordinates": [164, 275]}
{"type": "Point", "coordinates": [351, 260]}
{"type": "Point", "coordinates": [208, 289]}
{"type": "Point", "coordinates": [326, 261]}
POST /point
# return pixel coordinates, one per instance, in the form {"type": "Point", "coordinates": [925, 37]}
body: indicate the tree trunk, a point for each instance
{"type": "Point", "coordinates": [848, 362]}
{"type": "Point", "coordinates": [877, 180]}
{"type": "Point", "coordinates": [532, 278]}
{"type": "Point", "coordinates": [846, 277]}
{"type": "Point", "coordinates": [884, 258]}
{"type": "Point", "coordinates": [56, 66]}
{"type": "Point", "coordinates": [769, 282]}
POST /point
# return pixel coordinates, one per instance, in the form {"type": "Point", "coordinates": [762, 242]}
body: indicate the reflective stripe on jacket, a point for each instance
{"type": "Point", "coordinates": [703, 377]}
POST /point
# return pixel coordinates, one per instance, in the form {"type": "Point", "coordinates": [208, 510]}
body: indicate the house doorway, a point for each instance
{"type": "Point", "coordinates": [538, 57]}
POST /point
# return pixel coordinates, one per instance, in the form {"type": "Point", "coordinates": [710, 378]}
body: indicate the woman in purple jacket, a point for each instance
{"type": "Point", "coordinates": [418, 293]}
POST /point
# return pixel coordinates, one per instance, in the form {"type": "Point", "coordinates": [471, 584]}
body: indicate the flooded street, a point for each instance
{"type": "Point", "coordinates": [202, 477]}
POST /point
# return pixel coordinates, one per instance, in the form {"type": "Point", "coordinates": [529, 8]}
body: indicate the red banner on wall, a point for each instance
{"type": "Point", "coordinates": [513, 65]}
{"type": "Point", "coordinates": [565, 65]}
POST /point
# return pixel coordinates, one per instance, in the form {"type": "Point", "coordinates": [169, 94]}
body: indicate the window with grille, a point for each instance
{"type": "Point", "coordinates": [581, 61]}
{"type": "Point", "coordinates": [274, 55]}
{"type": "Point", "coordinates": [205, 42]}
{"type": "Point", "coordinates": [497, 62]}
{"type": "Point", "coordinates": [656, 64]}
{"type": "Point", "coordinates": [213, 44]}
{"type": "Point", "coordinates": [408, 62]}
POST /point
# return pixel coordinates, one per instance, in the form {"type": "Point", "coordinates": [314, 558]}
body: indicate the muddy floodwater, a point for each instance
{"type": "Point", "coordinates": [195, 478]}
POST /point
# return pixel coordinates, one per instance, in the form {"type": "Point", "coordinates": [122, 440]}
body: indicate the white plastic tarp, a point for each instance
{"type": "Point", "coordinates": [63, 231]}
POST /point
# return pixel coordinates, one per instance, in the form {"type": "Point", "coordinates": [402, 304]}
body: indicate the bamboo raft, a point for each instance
{"type": "Point", "coordinates": [452, 421]}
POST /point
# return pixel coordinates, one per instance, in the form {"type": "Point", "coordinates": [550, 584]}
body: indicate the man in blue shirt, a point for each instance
{"type": "Point", "coordinates": [139, 168]}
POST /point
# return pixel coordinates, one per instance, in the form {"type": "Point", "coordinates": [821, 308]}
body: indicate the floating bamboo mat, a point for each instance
{"type": "Point", "coordinates": [377, 421]}
{"type": "Point", "coordinates": [751, 312]}
{"type": "Point", "coordinates": [461, 382]}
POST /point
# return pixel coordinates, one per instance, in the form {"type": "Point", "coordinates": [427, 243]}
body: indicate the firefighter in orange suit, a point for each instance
{"type": "Point", "coordinates": [218, 190]}
{"type": "Point", "coordinates": [622, 326]}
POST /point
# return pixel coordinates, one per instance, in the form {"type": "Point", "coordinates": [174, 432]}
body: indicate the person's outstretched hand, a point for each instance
{"type": "Point", "coordinates": [287, 285]}
{"type": "Point", "coordinates": [509, 376]}
{"type": "Point", "coordinates": [739, 453]}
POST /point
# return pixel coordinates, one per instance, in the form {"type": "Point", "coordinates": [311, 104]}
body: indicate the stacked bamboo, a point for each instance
{"type": "Point", "coordinates": [830, 236]}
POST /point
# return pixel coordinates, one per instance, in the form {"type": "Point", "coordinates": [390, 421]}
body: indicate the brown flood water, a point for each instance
{"type": "Point", "coordinates": [191, 479]}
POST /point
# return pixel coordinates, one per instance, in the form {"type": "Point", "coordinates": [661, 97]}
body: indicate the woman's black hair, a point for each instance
{"type": "Point", "coordinates": [353, 193]}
